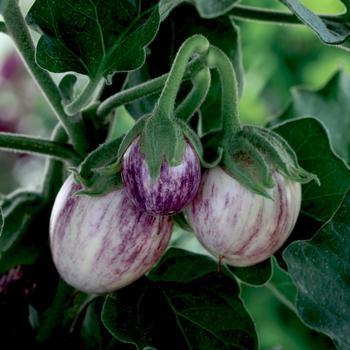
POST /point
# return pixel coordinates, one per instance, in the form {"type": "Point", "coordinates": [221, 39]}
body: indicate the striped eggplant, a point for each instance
{"type": "Point", "coordinates": [174, 189]}
{"type": "Point", "coordinates": [100, 244]}
{"type": "Point", "coordinates": [238, 226]}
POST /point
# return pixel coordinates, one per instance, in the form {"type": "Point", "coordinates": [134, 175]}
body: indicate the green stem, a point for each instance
{"type": "Point", "coordinates": [3, 28]}
{"type": "Point", "coordinates": [19, 32]}
{"type": "Point", "coordinates": [84, 99]}
{"type": "Point", "coordinates": [192, 102]}
{"type": "Point", "coordinates": [229, 89]}
{"type": "Point", "coordinates": [195, 44]}
{"type": "Point", "coordinates": [145, 89]}
{"type": "Point", "coordinates": [27, 144]}
{"type": "Point", "coordinates": [278, 17]}
{"type": "Point", "coordinates": [54, 173]}
{"type": "Point", "coordinates": [54, 315]}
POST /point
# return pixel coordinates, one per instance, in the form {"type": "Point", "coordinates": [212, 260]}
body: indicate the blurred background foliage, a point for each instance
{"type": "Point", "coordinates": [275, 58]}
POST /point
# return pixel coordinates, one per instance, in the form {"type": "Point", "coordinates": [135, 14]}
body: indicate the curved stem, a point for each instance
{"type": "Point", "coordinates": [195, 44]}
{"type": "Point", "coordinates": [192, 102]}
{"type": "Point", "coordinates": [84, 99]}
{"type": "Point", "coordinates": [3, 28]}
{"type": "Point", "coordinates": [276, 17]}
{"type": "Point", "coordinates": [145, 89]}
{"type": "Point", "coordinates": [27, 144]}
{"type": "Point", "coordinates": [19, 32]}
{"type": "Point", "coordinates": [229, 89]}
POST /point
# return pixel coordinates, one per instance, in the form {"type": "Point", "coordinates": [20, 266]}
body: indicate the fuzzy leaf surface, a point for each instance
{"type": "Point", "coordinates": [320, 268]}
{"type": "Point", "coordinates": [309, 139]}
{"type": "Point", "coordinates": [96, 37]}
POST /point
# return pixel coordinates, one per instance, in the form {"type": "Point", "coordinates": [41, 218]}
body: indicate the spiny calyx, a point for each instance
{"type": "Point", "coordinates": [252, 154]}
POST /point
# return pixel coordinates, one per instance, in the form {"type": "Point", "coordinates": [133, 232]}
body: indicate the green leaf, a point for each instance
{"type": "Point", "coordinates": [183, 304]}
{"type": "Point", "coordinates": [96, 38]}
{"type": "Point", "coordinates": [206, 8]}
{"type": "Point", "coordinates": [309, 139]}
{"type": "Point", "coordinates": [331, 105]}
{"type": "Point", "coordinates": [3, 3]}
{"type": "Point", "coordinates": [256, 275]}
{"type": "Point", "coordinates": [19, 237]}
{"type": "Point", "coordinates": [330, 32]}
{"type": "Point", "coordinates": [320, 268]}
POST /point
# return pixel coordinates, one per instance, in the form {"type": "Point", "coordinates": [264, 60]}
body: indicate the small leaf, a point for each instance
{"type": "Point", "coordinates": [331, 105]}
{"type": "Point", "coordinates": [330, 32]}
{"type": "Point", "coordinates": [96, 38]}
{"type": "Point", "coordinates": [309, 139]}
{"type": "Point", "coordinates": [255, 275]}
{"type": "Point", "coordinates": [183, 304]}
{"type": "Point", "coordinates": [320, 268]}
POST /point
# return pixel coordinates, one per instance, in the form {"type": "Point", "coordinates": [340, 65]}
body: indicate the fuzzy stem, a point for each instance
{"type": "Point", "coordinates": [229, 89]}
{"type": "Point", "coordinates": [277, 17]}
{"type": "Point", "coordinates": [192, 102]}
{"type": "Point", "coordinates": [18, 30]}
{"type": "Point", "coordinates": [145, 89]}
{"type": "Point", "coordinates": [84, 99]}
{"type": "Point", "coordinates": [195, 44]}
{"type": "Point", "coordinates": [27, 144]}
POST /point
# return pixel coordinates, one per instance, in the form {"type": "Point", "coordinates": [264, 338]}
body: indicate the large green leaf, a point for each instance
{"type": "Point", "coordinates": [320, 267]}
{"type": "Point", "coordinates": [96, 37]}
{"type": "Point", "coordinates": [206, 8]}
{"type": "Point", "coordinates": [329, 31]}
{"type": "Point", "coordinates": [310, 141]}
{"type": "Point", "coordinates": [331, 105]}
{"type": "Point", "coordinates": [182, 304]}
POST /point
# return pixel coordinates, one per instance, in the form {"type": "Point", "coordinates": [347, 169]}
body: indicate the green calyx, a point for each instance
{"type": "Point", "coordinates": [254, 153]}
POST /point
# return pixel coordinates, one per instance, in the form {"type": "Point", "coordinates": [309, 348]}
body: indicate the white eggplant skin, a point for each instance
{"type": "Point", "coordinates": [239, 226]}
{"type": "Point", "coordinates": [100, 244]}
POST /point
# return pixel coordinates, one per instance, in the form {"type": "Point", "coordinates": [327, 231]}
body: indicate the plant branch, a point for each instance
{"type": "Point", "coordinates": [145, 89]}
{"type": "Point", "coordinates": [27, 144]}
{"type": "Point", "coordinates": [18, 30]}
{"type": "Point", "coordinates": [3, 28]}
{"type": "Point", "coordinates": [278, 17]}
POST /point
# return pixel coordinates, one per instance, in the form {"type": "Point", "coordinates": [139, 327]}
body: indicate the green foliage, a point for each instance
{"type": "Point", "coordinates": [196, 307]}
{"type": "Point", "coordinates": [331, 106]}
{"type": "Point", "coordinates": [95, 38]}
{"type": "Point", "coordinates": [310, 141]}
{"type": "Point", "coordinates": [320, 269]}
{"type": "Point", "coordinates": [19, 211]}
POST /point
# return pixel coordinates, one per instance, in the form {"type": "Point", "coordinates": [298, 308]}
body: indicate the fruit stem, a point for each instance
{"type": "Point", "coordinates": [165, 105]}
{"type": "Point", "coordinates": [229, 89]}
{"type": "Point", "coordinates": [192, 102]}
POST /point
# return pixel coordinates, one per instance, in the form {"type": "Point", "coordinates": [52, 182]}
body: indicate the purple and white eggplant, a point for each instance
{"type": "Point", "coordinates": [174, 189]}
{"type": "Point", "coordinates": [100, 244]}
{"type": "Point", "coordinates": [239, 226]}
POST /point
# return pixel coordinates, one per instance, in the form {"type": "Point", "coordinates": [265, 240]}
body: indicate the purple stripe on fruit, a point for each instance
{"type": "Point", "coordinates": [243, 227]}
{"type": "Point", "coordinates": [174, 189]}
{"type": "Point", "coordinates": [100, 244]}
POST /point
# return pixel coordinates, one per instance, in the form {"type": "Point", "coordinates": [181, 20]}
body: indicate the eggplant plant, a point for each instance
{"type": "Point", "coordinates": [153, 233]}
